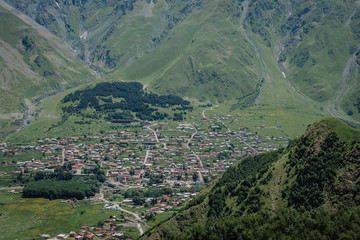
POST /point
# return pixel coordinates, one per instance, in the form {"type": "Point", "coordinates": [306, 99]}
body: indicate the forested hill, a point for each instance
{"type": "Point", "coordinates": [122, 100]}
{"type": "Point", "coordinates": [308, 190]}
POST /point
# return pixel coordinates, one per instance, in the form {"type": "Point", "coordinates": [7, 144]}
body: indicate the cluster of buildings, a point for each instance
{"type": "Point", "coordinates": [154, 156]}
{"type": "Point", "coordinates": [107, 231]}
{"type": "Point", "coordinates": [184, 155]}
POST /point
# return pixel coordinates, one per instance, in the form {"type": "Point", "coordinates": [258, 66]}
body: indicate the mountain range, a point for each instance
{"type": "Point", "coordinates": [274, 55]}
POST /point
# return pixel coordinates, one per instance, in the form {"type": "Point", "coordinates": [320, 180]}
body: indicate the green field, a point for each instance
{"type": "Point", "coordinates": [25, 218]}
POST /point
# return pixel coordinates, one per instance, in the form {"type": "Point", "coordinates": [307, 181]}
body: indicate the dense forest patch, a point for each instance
{"type": "Point", "coordinates": [123, 100]}
{"type": "Point", "coordinates": [61, 184]}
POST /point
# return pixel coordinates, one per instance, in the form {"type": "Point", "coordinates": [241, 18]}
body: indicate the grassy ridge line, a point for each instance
{"type": "Point", "coordinates": [281, 176]}
{"type": "Point", "coordinates": [200, 210]}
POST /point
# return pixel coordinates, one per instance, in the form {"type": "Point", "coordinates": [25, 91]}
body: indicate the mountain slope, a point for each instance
{"type": "Point", "coordinates": [320, 43]}
{"type": "Point", "coordinates": [108, 34]}
{"type": "Point", "coordinates": [192, 42]}
{"type": "Point", "coordinates": [205, 56]}
{"type": "Point", "coordinates": [271, 54]}
{"type": "Point", "coordinates": [316, 177]}
{"type": "Point", "coordinates": [31, 66]}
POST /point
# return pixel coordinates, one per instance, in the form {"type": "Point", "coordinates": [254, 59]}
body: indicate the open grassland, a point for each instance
{"type": "Point", "coordinates": [23, 156]}
{"type": "Point", "coordinates": [160, 218]}
{"type": "Point", "coordinates": [25, 218]}
{"type": "Point", "coordinates": [7, 179]}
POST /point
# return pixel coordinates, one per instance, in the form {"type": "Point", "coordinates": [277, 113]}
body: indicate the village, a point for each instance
{"type": "Point", "coordinates": [149, 171]}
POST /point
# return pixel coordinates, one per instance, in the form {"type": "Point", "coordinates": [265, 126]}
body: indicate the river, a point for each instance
{"type": "Point", "coordinates": [30, 112]}
{"type": "Point", "coordinates": [244, 13]}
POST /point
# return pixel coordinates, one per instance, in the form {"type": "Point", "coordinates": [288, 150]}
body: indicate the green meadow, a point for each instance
{"type": "Point", "coordinates": [25, 218]}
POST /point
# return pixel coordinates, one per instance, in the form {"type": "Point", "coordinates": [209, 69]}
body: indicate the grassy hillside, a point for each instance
{"type": "Point", "coordinates": [316, 46]}
{"type": "Point", "coordinates": [31, 67]}
{"type": "Point", "coordinates": [271, 63]}
{"type": "Point", "coordinates": [190, 48]}
{"type": "Point", "coordinates": [313, 178]}
{"type": "Point", "coordinates": [205, 56]}
{"type": "Point", "coordinates": [278, 55]}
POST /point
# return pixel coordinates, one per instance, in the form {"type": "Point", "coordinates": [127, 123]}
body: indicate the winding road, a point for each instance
{"type": "Point", "coordinates": [191, 138]}
{"type": "Point", "coordinates": [145, 161]}
{"type": "Point", "coordinates": [137, 218]}
{"type": "Point", "coordinates": [156, 137]}
{"type": "Point", "coordinates": [197, 157]}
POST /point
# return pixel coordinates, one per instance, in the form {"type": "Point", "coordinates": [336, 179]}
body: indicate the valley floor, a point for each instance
{"type": "Point", "coordinates": [152, 170]}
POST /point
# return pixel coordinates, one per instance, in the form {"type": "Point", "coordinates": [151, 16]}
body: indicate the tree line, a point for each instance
{"type": "Point", "coordinates": [78, 188]}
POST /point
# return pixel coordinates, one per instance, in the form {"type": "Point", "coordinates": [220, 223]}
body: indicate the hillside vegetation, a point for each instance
{"type": "Point", "coordinates": [31, 67]}
{"type": "Point", "coordinates": [275, 59]}
{"type": "Point", "coordinates": [278, 58]}
{"type": "Point", "coordinates": [119, 100]}
{"type": "Point", "coordinates": [188, 48]}
{"type": "Point", "coordinates": [301, 191]}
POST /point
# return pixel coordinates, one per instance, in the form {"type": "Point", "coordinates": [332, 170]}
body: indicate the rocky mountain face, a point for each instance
{"type": "Point", "coordinates": [314, 179]}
